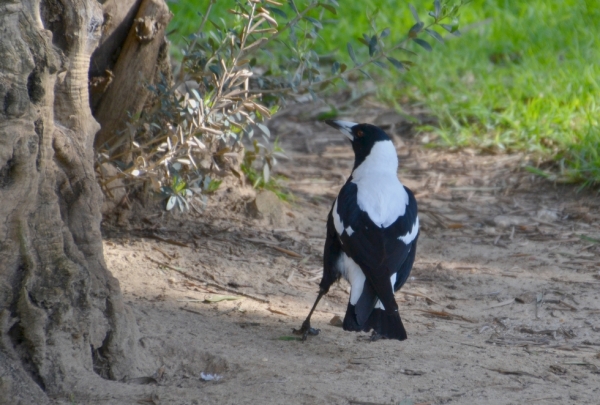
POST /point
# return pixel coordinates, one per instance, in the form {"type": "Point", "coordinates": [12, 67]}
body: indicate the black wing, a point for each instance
{"type": "Point", "coordinates": [331, 254]}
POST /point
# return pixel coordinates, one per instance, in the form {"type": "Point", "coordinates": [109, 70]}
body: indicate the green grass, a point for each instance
{"type": "Point", "coordinates": [525, 75]}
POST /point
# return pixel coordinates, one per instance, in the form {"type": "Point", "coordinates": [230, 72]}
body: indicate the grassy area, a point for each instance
{"type": "Point", "coordinates": [523, 76]}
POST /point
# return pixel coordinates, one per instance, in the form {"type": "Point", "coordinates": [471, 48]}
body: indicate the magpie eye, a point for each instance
{"type": "Point", "coordinates": [359, 133]}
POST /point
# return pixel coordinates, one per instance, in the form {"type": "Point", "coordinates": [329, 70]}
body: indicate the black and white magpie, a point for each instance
{"type": "Point", "coordinates": [372, 232]}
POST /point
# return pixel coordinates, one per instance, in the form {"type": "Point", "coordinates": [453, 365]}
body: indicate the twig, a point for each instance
{"type": "Point", "coordinates": [543, 399]}
{"type": "Point", "coordinates": [171, 241]}
{"type": "Point", "coordinates": [355, 402]}
{"type": "Point", "coordinates": [210, 283]}
{"type": "Point", "coordinates": [444, 315]}
{"type": "Point", "coordinates": [168, 256]}
{"type": "Point", "coordinates": [192, 311]}
{"type": "Point", "coordinates": [286, 251]}
{"type": "Point", "coordinates": [419, 295]}
{"type": "Point", "coordinates": [512, 372]}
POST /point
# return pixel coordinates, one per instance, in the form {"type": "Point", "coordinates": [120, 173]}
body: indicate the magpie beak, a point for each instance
{"type": "Point", "coordinates": [344, 126]}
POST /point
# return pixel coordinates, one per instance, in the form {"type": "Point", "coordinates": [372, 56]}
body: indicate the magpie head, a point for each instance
{"type": "Point", "coordinates": [363, 137]}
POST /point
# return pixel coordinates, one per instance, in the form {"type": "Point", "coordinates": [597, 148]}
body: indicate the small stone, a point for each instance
{"type": "Point", "coordinates": [547, 215]}
{"type": "Point", "coordinates": [336, 321]}
{"type": "Point", "coordinates": [506, 221]}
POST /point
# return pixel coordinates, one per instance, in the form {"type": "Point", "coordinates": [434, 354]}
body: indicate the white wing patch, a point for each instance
{"type": "Point", "coordinates": [349, 230]}
{"type": "Point", "coordinates": [355, 276]}
{"type": "Point", "coordinates": [337, 221]}
{"type": "Point", "coordinates": [393, 281]}
{"type": "Point", "coordinates": [339, 224]}
{"type": "Point", "coordinates": [412, 234]}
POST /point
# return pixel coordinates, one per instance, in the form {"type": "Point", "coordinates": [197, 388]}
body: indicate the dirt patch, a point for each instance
{"type": "Point", "coordinates": [501, 308]}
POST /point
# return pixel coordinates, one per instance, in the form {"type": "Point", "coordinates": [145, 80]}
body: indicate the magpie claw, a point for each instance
{"type": "Point", "coordinates": [306, 330]}
{"type": "Point", "coordinates": [375, 337]}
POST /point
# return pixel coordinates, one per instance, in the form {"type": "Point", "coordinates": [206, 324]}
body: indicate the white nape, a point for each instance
{"type": "Point", "coordinates": [380, 193]}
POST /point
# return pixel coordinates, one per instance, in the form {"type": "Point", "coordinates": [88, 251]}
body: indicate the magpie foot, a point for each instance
{"type": "Point", "coordinates": [375, 337]}
{"type": "Point", "coordinates": [306, 330]}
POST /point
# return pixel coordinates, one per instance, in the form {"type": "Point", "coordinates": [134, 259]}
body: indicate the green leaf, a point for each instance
{"type": "Point", "coordinates": [293, 6]}
{"type": "Point", "coordinates": [414, 13]}
{"type": "Point", "coordinates": [213, 186]}
{"type": "Point", "coordinates": [435, 35]}
{"type": "Point", "coordinates": [385, 33]}
{"type": "Point", "coordinates": [324, 85]}
{"type": "Point", "coordinates": [397, 64]}
{"type": "Point", "coordinates": [216, 69]}
{"type": "Point", "coordinates": [171, 202]}
{"type": "Point", "coordinates": [363, 40]}
{"type": "Point", "coordinates": [335, 68]}
{"type": "Point", "coordinates": [438, 8]}
{"type": "Point", "coordinates": [365, 73]}
{"type": "Point", "coordinates": [328, 115]}
{"type": "Point", "coordinates": [380, 64]}
{"type": "Point", "coordinates": [277, 11]}
{"type": "Point", "coordinates": [588, 239]}
{"type": "Point", "coordinates": [264, 128]}
{"type": "Point", "coordinates": [314, 22]}
{"type": "Point", "coordinates": [452, 28]}
{"type": "Point", "coordinates": [415, 29]}
{"type": "Point", "coordinates": [289, 338]}
{"type": "Point", "coordinates": [373, 45]}
{"type": "Point", "coordinates": [352, 54]}
{"type": "Point", "coordinates": [329, 8]}
{"type": "Point", "coordinates": [424, 44]}
{"type": "Point", "coordinates": [537, 171]}
{"type": "Point", "coordinates": [343, 67]}
{"type": "Point", "coordinates": [219, 28]}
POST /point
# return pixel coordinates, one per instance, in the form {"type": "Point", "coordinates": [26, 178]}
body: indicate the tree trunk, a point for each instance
{"type": "Point", "coordinates": [62, 316]}
{"type": "Point", "coordinates": [126, 93]}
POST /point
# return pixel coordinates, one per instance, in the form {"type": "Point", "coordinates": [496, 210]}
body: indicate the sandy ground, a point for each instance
{"type": "Point", "coordinates": [502, 305]}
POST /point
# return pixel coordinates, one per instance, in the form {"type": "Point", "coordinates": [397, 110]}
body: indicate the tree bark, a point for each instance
{"type": "Point", "coordinates": [62, 315]}
{"type": "Point", "coordinates": [134, 70]}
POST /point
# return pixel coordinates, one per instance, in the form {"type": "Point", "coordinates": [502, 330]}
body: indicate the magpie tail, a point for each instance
{"type": "Point", "coordinates": [387, 324]}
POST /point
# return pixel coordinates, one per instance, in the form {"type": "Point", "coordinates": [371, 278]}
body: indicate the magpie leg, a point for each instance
{"type": "Point", "coordinates": [305, 329]}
